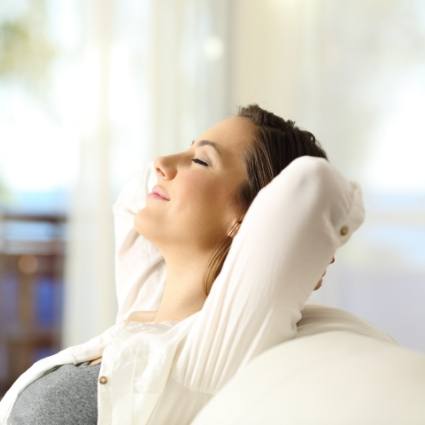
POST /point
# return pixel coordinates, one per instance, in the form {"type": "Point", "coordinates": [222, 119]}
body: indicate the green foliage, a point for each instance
{"type": "Point", "coordinates": [5, 195]}
{"type": "Point", "coordinates": [26, 52]}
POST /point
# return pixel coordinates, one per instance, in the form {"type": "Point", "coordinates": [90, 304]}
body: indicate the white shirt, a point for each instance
{"type": "Point", "coordinates": [164, 373]}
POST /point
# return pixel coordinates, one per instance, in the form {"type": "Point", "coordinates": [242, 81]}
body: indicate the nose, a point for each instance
{"type": "Point", "coordinates": [166, 166]}
{"type": "Point", "coordinates": [160, 168]}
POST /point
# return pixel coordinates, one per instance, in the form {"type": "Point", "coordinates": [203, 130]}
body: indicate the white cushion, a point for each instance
{"type": "Point", "coordinates": [319, 318]}
{"type": "Point", "coordinates": [339, 370]}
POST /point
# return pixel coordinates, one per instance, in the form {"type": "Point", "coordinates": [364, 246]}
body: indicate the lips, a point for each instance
{"type": "Point", "coordinates": [158, 190]}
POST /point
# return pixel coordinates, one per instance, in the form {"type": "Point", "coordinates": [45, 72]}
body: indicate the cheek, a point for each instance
{"type": "Point", "coordinates": [202, 193]}
{"type": "Point", "coordinates": [200, 201]}
{"type": "Point", "coordinates": [194, 187]}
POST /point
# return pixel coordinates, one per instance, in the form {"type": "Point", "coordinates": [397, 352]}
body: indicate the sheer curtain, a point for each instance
{"type": "Point", "coordinates": [155, 75]}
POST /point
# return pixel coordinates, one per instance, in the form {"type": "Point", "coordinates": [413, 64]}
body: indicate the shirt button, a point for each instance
{"type": "Point", "coordinates": [344, 230]}
{"type": "Point", "coordinates": [103, 380]}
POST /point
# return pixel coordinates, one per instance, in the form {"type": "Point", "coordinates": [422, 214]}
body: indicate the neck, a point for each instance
{"type": "Point", "coordinates": [184, 290]}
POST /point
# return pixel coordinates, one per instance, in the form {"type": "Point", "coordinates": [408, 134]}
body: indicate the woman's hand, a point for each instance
{"type": "Point", "coordinates": [95, 361]}
{"type": "Point", "coordinates": [319, 284]}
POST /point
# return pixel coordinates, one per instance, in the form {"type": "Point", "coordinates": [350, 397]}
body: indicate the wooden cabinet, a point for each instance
{"type": "Point", "coordinates": [31, 288]}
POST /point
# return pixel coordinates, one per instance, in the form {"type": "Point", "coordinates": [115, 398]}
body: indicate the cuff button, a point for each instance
{"type": "Point", "coordinates": [103, 380]}
{"type": "Point", "coordinates": [344, 230]}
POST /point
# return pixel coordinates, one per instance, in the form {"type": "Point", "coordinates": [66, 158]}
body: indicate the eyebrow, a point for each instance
{"type": "Point", "coordinates": [208, 143]}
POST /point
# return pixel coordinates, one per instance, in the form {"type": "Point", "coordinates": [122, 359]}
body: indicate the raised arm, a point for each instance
{"type": "Point", "coordinates": [288, 236]}
{"type": "Point", "coordinates": [139, 267]}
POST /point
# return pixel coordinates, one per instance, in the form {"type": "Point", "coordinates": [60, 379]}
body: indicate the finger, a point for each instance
{"type": "Point", "coordinates": [318, 285]}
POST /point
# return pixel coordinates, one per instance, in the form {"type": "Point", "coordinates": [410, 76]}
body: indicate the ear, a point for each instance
{"type": "Point", "coordinates": [234, 228]}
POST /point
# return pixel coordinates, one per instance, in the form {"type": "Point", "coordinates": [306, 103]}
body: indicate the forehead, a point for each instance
{"type": "Point", "coordinates": [233, 135]}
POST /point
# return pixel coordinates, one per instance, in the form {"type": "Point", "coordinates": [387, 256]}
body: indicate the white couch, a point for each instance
{"type": "Point", "coordinates": [339, 370]}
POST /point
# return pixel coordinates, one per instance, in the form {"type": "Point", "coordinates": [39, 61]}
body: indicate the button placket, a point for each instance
{"type": "Point", "coordinates": [111, 353]}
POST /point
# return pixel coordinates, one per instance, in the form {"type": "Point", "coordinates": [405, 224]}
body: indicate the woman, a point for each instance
{"type": "Point", "coordinates": [210, 275]}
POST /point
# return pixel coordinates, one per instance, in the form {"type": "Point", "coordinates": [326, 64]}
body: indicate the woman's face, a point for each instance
{"type": "Point", "coordinates": [201, 183]}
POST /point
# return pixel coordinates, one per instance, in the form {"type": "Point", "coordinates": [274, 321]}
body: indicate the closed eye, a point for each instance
{"type": "Point", "coordinates": [204, 164]}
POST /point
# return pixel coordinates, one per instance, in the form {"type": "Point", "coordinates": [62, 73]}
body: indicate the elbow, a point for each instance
{"type": "Point", "coordinates": [323, 183]}
{"type": "Point", "coordinates": [325, 190]}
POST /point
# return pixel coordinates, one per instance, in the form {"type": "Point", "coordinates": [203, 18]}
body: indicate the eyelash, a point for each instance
{"type": "Point", "coordinates": [199, 161]}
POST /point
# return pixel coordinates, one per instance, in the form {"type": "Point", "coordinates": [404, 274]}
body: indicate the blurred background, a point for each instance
{"type": "Point", "coordinates": [92, 90]}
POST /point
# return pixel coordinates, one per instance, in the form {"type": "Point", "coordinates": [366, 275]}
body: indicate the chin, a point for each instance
{"type": "Point", "coordinates": [140, 223]}
{"type": "Point", "coordinates": [147, 229]}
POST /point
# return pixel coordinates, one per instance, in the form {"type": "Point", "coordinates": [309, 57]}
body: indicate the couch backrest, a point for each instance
{"type": "Point", "coordinates": [338, 370]}
{"type": "Point", "coordinates": [318, 318]}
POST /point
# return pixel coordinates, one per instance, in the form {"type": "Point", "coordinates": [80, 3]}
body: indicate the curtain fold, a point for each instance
{"type": "Point", "coordinates": [157, 77]}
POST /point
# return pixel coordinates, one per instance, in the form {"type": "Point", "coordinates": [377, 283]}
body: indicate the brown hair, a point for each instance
{"type": "Point", "coordinates": [276, 143]}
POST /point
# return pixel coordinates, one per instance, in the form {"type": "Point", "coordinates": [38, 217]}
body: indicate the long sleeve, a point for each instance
{"type": "Point", "coordinates": [139, 267]}
{"type": "Point", "coordinates": [285, 242]}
